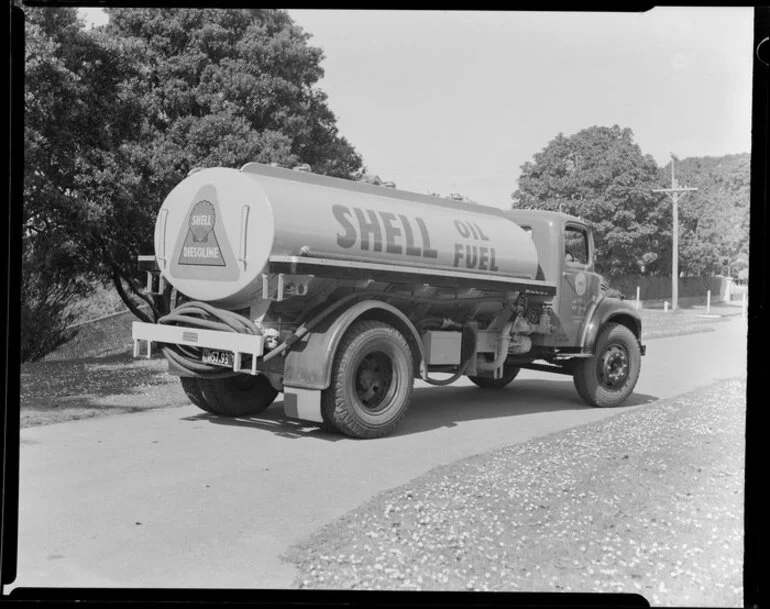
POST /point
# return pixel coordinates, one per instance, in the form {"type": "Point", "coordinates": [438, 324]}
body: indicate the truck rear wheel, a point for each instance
{"type": "Point", "coordinates": [193, 391]}
{"type": "Point", "coordinates": [487, 382]}
{"type": "Point", "coordinates": [371, 381]}
{"type": "Point", "coordinates": [236, 396]}
{"type": "Point", "coordinates": [609, 377]}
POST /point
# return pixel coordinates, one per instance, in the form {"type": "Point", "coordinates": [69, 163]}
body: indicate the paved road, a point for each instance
{"type": "Point", "coordinates": [175, 498]}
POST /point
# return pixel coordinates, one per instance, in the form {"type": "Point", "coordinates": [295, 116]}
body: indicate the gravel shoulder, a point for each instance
{"type": "Point", "coordinates": [649, 501]}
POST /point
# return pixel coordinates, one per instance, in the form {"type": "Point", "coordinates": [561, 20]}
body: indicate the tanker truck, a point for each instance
{"type": "Point", "coordinates": [340, 294]}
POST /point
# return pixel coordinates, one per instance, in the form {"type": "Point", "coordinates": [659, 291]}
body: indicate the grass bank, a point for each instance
{"type": "Point", "coordinates": [55, 392]}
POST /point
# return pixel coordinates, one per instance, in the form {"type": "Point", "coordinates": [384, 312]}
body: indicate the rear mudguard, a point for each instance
{"type": "Point", "coordinates": [309, 363]}
{"type": "Point", "coordinates": [610, 310]}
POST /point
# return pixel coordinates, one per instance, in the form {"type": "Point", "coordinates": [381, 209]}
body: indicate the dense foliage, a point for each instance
{"type": "Point", "coordinates": [116, 116]}
{"type": "Point", "coordinates": [225, 87]}
{"type": "Point", "coordinates": [600, 175]}
{"type": "Point", "coordinates": [714, 220]}
{"type": "Point", "coordinates": [72, 127]}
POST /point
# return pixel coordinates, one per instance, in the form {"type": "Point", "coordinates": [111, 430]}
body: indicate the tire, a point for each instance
{"type": "Point", "coordinates": [609, 377]}
{"type": "Point", "coordinates": [193, 392]}
{"type": "Point", "coordinates": [371, 381]}
{"type": "Point", "coordinates": [487, 382]}
{"type": "Point", "coordinates": [236, 396]}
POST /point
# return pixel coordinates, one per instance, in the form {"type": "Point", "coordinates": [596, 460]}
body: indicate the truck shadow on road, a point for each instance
{"type": "Point", "coordinates": [440, 407]}
{"type": "Point", "coordinates": [437, 407]}
{"type": "Point", "coordinates": [272, 420]}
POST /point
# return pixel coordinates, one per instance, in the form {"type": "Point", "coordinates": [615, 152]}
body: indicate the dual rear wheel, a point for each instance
{"type": "Point", "coordinates": [371, 381]}
{"type": "Point", "coordinates": [234, 396]}
{"type": "Point", "coordinates": [371, 385]}
{"type": "Point", "coordinates": [487, 382]}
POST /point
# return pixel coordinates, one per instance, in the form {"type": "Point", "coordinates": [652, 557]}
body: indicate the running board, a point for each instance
{"type": "Point", "coordinates": [546, 368]}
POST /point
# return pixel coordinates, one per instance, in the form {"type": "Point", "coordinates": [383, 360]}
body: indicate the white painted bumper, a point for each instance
{"type": "Point", "coordinates": [239, 344]}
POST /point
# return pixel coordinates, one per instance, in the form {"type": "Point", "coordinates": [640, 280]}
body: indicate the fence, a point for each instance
{"type": "Point", "coordinates": [693, 291]}
{"type": "Point", "coordinates": [106, 335]}
{"type": "Point", "coordinates": [659, 288]}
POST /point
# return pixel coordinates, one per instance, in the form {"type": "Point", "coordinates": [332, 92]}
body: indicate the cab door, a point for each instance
{"type": "Point", "coordinates": [579, 283]}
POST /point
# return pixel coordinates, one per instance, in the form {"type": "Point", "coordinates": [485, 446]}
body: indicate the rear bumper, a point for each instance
{"type": "Point", "coordinates": [238, 344]}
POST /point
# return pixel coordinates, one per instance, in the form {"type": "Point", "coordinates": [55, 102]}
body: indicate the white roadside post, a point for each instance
{"type": "Point", "coordinates": [638, 302]}
{"type": "Point", "coordinates": [708, 302]}
{"type": "Point", "coordinates": [665, 306]}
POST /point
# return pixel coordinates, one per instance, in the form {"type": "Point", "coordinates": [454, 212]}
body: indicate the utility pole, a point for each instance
{"type": "Point", "coordinates": [675, 192]}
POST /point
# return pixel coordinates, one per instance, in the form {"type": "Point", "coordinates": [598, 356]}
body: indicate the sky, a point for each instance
{"type": "Point", "coordinates": [456, 101]}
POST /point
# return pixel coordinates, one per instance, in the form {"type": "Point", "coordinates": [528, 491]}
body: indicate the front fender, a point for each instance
{"type": "Point", "coordinates": [610, 310]}
{"type": "Point", "coordinates": [309, 363]}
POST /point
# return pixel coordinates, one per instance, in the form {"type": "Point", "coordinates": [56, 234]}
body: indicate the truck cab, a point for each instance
{"type": "Point", "coordinates": [567, 252]}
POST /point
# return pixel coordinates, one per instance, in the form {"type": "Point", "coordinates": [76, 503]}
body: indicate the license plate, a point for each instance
{"type": "Point", "coordinates": [218, 358]}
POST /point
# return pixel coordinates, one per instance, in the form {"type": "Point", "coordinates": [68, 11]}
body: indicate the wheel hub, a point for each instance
{"type": "Point", "coordinates": [373, 379]}
{"type": "Point", "coordinates": [614, 366]}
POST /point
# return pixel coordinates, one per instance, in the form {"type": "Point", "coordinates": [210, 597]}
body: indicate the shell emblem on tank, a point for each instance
{"type": "Point", "coordinates": [203, 243]}
{"type": "Point", "coordinates": [200, 245]}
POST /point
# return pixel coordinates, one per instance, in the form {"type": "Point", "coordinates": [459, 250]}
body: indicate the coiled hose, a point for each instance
{"type": "Point", "coordinates": [202, 315]}
{"type": "Point", "coordinates": [199, 314]}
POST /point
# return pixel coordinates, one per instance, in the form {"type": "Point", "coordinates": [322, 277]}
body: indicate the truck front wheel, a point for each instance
{"type": "Point", "coordinates": [371, 381]}
{"type": "Point", "coordinates": [487, 382]}
{"type": "Point", "coordinates": [236, 396]}
{"type": "Point", "coordinates": [609, 377]}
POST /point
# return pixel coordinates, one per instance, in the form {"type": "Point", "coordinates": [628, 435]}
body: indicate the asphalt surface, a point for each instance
{"type": "Point", "coordinates": [177, 498]}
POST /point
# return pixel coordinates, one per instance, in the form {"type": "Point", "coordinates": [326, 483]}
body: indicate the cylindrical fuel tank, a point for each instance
{"type": "Point", "coordinates": [217, 229]}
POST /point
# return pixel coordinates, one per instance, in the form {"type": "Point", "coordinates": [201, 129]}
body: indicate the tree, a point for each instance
{"type": "Point", "coordinates": [47, 287]}
{"type": "Point", "coordinates": [71, 124]}
{"type": "Point", "coordinates": [601, 175]}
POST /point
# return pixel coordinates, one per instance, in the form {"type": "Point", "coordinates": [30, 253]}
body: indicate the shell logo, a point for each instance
{"type": "Point", "coordinates": [200, 245]}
